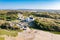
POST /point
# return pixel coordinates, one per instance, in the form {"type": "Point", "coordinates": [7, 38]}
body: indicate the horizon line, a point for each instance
{"type": "Point", "coordinates": [29, 9]}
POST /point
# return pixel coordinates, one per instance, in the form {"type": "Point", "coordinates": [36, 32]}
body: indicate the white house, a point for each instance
{"type": "Point", "coordinates": [30, 19]}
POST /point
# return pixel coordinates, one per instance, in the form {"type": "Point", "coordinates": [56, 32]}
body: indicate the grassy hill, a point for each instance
{"type": "Point", "coordinates": [46, 21]}
{"type": "Point", "coordinates": [43, 20]}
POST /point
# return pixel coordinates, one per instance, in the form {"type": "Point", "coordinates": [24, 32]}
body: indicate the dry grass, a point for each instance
{"type": "Point", "coordinates": [8, 33]}
{"type": "Point", "coordinates": [2, 22]}
{"type": "Point", "coordinates": [1, 38]}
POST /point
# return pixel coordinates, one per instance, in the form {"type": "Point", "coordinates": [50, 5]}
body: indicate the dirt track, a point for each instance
{"type": "Point", "coordinates": [34, 35]}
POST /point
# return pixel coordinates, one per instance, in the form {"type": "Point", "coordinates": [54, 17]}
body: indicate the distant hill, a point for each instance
{"type": "Point", "coordinates": [33, 10]}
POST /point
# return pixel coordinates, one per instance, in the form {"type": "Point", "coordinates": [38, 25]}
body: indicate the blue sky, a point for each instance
{"type": "Point", "coordinates": [29, 4]}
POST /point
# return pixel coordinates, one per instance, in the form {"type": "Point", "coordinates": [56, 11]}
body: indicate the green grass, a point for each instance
{"type": "Point", "coordinates": [8, 33]}
{"type": "Point", "coordinates": [1, 38]}
{"type": "Point", "coordinates": [55, 32]}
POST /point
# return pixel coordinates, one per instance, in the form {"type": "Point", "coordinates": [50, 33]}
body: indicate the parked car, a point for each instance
{"type": "Point", "coordinates": [25, 27]}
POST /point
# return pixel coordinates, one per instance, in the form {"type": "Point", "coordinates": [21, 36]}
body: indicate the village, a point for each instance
{"type": "Point", "coordinates": [25, 25]}
{"type": "Point", "coordinates": [22, 22]}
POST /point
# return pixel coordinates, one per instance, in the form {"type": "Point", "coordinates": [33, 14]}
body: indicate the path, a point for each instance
{"type": "Point", "coordinates": [34, 35]}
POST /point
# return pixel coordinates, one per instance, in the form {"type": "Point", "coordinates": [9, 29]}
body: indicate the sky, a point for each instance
{"type": "Point", "coordinates": [30, 4]}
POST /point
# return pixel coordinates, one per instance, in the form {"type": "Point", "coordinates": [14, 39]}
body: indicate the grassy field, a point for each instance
{"type": "Point", "coordinates": [1, 38]}
{"type": "Point", "coordinates": [8, 32]}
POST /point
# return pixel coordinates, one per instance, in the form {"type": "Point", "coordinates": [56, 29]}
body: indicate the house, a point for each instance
{"type": "Point", "coordinates": [30, 19]}
{"type": "Point", "coordinates": [20, 16]}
